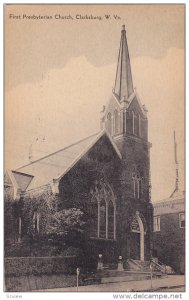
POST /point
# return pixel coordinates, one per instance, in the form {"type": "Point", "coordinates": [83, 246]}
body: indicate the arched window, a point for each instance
{"type": "Point", "coordinates": [109, 122]}
{"type": "Point", "coordinates": [137, 185]}
{"type": "Point", "coordinates": [36, 217]}
{"type": "Point", "coordinates": [140, 187]}
{"type": "Point", "coordinates": [129, 122]}
{"type": "Point", "coordinates": [116, 129]}
{"type": "Point", "coordinates": [94, 217]}
{"type": "Point", "coordinates": [134, 186]}
{"type": "Point", "coordinates": [133, 122]}
{"type": "Point", "coordinates": [110, 220]}
{"type": "Point", "coordinates": [103, 219]}
{"type": "Point", "coordinates": [19, 228]}
{"type": "Point", "coordinates": [103, 211]}
{"type": "Point", "coordinates": [137, 124]}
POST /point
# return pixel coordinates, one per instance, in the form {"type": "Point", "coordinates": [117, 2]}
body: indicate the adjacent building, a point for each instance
{"type": "Point", "coordinates": [169, 227]}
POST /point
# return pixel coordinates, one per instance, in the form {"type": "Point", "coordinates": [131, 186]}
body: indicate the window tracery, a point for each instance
{"type": "Point", "coordinates": [137, 184]}
{"type": "Point", "coordinates": [104, 216]}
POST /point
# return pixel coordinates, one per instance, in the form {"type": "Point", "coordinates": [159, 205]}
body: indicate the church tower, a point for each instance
{"type": "Point", "coordinates": [125, 115]}
{"type": "Point", "coordinates": [125, 119]}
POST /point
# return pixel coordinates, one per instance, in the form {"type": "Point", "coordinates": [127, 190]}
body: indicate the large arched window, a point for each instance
{"type": "Point", "coordinates": [110, 220]}
{"type": "Point", "coordinates": [103, 219]}
{"type": "Point", "coordinates": [94, 217]}
{"type": "Point", "coordinates": [116, 124]}
{"type": "Point", "coordinates": [103, 211]}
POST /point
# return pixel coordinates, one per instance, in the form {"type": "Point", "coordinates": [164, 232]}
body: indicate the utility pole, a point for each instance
{"type": "Point", "coordinates": [77, 272]}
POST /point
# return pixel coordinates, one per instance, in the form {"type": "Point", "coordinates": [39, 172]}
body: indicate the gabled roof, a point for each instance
{"type": "Point", "coordinates": [57, 164]}
{"type": "Point", "coordinates": [132, 97]}
{"type": "Point", "coordinates": [18, 181]}
{"type": "Point", "coordinates": [23, 180]}
{"type": "Point", "coordinates": [7, 179]}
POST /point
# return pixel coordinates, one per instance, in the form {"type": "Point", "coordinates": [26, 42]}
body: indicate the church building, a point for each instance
{"type": "Point", "coordinates": [106, 175]}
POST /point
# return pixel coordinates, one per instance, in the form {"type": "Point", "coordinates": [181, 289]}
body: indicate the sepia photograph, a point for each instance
{"type": "Point", "coordinates": [94, 148]}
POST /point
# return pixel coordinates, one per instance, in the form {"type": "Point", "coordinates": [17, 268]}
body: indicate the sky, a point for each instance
{"type": "Point", "coordinates": [60, 72]}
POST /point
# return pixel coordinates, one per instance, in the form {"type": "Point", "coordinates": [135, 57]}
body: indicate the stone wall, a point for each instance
{"type": "Point", "coordinates": [31, 283]}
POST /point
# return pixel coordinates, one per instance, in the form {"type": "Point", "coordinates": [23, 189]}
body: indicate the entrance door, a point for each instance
{"type": "Point", "coordinates": [135, 245]}
{"type": "Point", "coordinates": [137, 238]}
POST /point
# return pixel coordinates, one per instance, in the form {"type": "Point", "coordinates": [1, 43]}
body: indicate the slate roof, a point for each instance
{"type": "Point", "coordinates": [57, 164]}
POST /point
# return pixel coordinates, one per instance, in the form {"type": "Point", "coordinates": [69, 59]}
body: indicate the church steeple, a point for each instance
{"type": "Point", "coordinates": [124, 114]}
{"type": "Point", "coordinates": [123, 83]}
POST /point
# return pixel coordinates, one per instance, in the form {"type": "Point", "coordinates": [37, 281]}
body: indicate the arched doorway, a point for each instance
{"type": "Point", "coordinates": [137, 237]}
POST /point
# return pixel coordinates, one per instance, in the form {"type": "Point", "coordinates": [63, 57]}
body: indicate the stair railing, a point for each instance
{"type": "Point", "coordinates": [135, 263]}
{"type": "Point", "coordinates": [160, 266]}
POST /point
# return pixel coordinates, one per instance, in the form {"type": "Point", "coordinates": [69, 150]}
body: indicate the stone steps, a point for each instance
{"type": "Point", "coordinates": [138, 265]}
{"type": "Point", "coordinates": [133, 270]}
{"type": "Point", "coordinates": [108, 276]}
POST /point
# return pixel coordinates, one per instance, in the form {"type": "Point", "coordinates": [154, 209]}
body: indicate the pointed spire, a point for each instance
{"type": "Point", "coordinates": [123, 82]}
{"type": "Point", "coordinates": [176, 191]}
{"type": "Point", "coordinates": [176, 164]}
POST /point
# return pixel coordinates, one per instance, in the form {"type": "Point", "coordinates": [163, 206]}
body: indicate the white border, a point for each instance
{"type": "Point", "coordinates": [80, 295]}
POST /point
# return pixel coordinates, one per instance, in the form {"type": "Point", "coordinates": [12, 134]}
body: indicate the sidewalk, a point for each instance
{"type": "Point", "coordinates": [129, 286]}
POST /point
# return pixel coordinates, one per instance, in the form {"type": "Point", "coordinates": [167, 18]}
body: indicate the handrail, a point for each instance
{"type": "Point", "coordinates": [160, 262]}
{"type": "Point", "coordinates": [135, 263]}
{"type": "Point", "coordinates": [162, 267]}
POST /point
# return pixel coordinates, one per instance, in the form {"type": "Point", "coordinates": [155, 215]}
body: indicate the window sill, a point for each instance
{"type": "Point", "coordinates": [103, 239]}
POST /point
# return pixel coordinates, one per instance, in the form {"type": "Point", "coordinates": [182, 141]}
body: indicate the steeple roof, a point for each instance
{"type": "Point", "coordinates": [176, 191]}
{"type": "Point", "coordinates": [123, 83]}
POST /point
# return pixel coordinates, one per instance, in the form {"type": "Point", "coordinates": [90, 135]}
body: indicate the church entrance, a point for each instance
{"type": "Point", "coordinates": [137, 238]}
{"type": "Point", "coordinates": [135, 245]}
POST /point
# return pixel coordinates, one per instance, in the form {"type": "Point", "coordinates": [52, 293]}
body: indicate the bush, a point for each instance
{"type": "Point", "coordinates": [32, 248]}
{"type": "Point", "coordinates": [20, 266]}
{"type": "Point", "coordinates": [72, 251]}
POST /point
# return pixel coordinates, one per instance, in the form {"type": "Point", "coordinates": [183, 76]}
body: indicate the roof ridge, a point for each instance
{"type": "Point", "coordinates": [21, 173]}
{"type": "Point", "coordinates": [58, 151]}
{"type": "Point", "coordinates": [101, 133]}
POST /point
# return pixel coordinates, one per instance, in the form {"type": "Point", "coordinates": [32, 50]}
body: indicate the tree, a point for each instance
{"type": "Point", "coordinates": [67, 225]}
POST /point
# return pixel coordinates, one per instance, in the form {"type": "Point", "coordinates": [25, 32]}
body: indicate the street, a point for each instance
{"type": "Point", "coordinates": [177, 282]}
